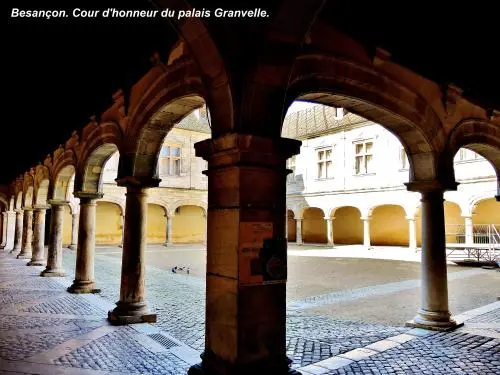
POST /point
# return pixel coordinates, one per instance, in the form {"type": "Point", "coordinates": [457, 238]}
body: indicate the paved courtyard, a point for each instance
{"type": "Point", "coordinates": [344, 316]}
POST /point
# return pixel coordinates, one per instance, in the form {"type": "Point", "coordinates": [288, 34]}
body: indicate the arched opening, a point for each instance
{"type": "Point", "coordinates": [108, 223]}
{"type": "Point", "coordinates": [28, 198]}
{"type": "Point", "coordinates": [42, 192]}
{"type": "Point", "coordinates": [314, 226]}
{"type": "Point", "coordinates": [388, 226]}
{"type": "Point", "coordinates": [63, 180]}
{"type": "Point", "coordinates": [189, 224]}
{"type": "Point", "coordinates": [67, 222]}
{"type": "Point", "coordinates": [347, 226]}
{"type": "Point", "coordinates": [92, 179]}
{"type": "Point", "coordinates": [486, 212]}
{"type": "Point", "coordinates": [157, 224]}
{"type": "Point", "coordinates": [292, 226]}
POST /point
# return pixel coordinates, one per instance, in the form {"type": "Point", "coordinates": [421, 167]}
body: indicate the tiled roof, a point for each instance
{"type": "Point", "coordinates": [191, 122]}
{"type": "Point", "coordinates": [315, 121]}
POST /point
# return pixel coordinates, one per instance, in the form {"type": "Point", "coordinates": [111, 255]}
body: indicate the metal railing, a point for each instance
{"type": "Point", "coordinates": [482, 244]}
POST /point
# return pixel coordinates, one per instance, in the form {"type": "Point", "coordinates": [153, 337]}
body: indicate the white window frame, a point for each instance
{"type": "Point", "coordinates": [170, 159]}
{"type": "Point", "coordinates": [363, 155]}
{"type": "Point", "coordinates": [323, 163]}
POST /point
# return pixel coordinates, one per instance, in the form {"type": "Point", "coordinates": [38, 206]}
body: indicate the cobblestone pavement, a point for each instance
{"type": "Point", "coordinates": [44, 329]}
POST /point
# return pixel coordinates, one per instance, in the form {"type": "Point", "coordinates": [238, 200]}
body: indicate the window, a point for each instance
{"type": "Point", "coordinates": [363, 162]}
{"type": "Point", "coordinates": [325, 163]}
{"type": "Point", "coordinates": [290, 164]}
{"type": "Point", "coordinates": [466, 155]}
{"type": "Point", "coordinates": [170, 161]}
{"type": "Point", "coordinates": [403, 159]}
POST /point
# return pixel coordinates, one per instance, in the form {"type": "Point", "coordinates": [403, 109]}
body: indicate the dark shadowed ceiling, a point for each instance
{"type": "Point", "coordinates": [60, 72]}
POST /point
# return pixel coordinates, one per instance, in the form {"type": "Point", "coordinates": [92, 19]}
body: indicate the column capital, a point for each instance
{"type": "Point", "coordinates": [299, 218]}
{"type": "Point", "coordinates": [238, 148]}
{"type": "Point", "coordinates": [431, 186]}
{"type": "Point", "coordinates": [40, 207]}
{"type": "Point", "coordinates": [18, 210]}
{"type": "Point", "coordinates": [57, 202]}
{"type": "Point", "coordinates": [75, 214]}
{"type": "Point", "coordinates": [27, 208]}
{"type": "Point", "coordinates": [366, 218]}
{"type": "Point", "coordinates": [327, 218]}
{"type": "Point", "coordinates": [138, 181]}
{"type": "Point", "coordinates": [410, 218]}
{"type": "Point", "coordinates": [13, 212]}
{"type": "Point", "coordinates": [467, 216]}
{"type": "Point", "coordinates": [88, 195]}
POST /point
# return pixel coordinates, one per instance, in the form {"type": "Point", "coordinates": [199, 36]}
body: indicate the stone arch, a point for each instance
{"type": "Point", "coordinates": [159, 202]}
{"type": "Point", "coordinates": [157, 223]}
{"type": "Point", "coordinates": [187, 202]}
{"type": "Point", "coordinates": [486, 211]}
{"type": "Point", "coordinates": [11, 203]}
{"type": "Point", "coordinates": [148, 131]}
{"type": "Point", "coordinates": [19, 199]}
{"type": "Point", "coordinates": [42, 182]}
{"type": "Point", "coordinates": [109, 224]}
{"type": "Point", "coordinates": [28, 186]}
{"type": "Point", "coordinates": [4, 201]}
{"type": "Point", "coordinates": [314, 225]}
{"type": "Point", "coordinates": [374, 95]}
{"type": "Point", "coordinates": [119, 202]}
{"type": "Point", "coordinates": [347, 225]}
{"type": "Point", "coordinates": [388, 225]}
{"type": "Point", "coordinates": [63, 180]}
{"type": "Point", "coordinates": [189, 223]}
{"type": "Point", "coordinates": [100, 142]}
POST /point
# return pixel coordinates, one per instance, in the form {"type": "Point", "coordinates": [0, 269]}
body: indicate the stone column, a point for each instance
{"type": "Point", "coordinates": [37, 258]}
{"type": "Point", "coordinates": [84, 271]}
{"type": "Point", "coordinates": [122, 224]}
{"type": "Point", "coordinates": [329, 231]}
{"type": "Point", "coordinates": [11, 230]}
{"type": "Point", "coordinates": [434, 313]}
{"type": "Point", "coordinates": [19, 232]}
{"type": "Point", "coordinates": [132, 308]}
{"type": "Point", "coordinates": [205, 233]}
{"type": "Point", "coordinates": [366, 232]}
{"type": "Point", "coordinates": [412, 243]}
{"type": "Point", "coordinates": [286, 225]}
{"type": "Point", "coordinates": [54, 256]}
{"type": "Point", "coordinates": [4, 230]}
{"type": "Point", "coordinates": [170, 220]}
{"type": "Point", "coordinates": [298, 231]}
{"type": "Point", "coordinates": [469, 230]}
{"type": "Point", "coordinates": [27, 247]}
{"type": "Point", "coordinates": [75, 218]}
{"type": "Point", "coordinates": [246, 255]}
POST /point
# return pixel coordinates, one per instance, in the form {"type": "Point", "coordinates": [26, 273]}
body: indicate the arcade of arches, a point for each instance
{"type": "Point", "coordinates": [246, 155]}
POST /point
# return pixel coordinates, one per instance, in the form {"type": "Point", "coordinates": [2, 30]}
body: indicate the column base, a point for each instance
{"type": "Point", "coordinates": [434, 321]}
{"type": "Point", "coordinates": [36, 263]}
{"type": "Point", "coordinates": [24, 256]}
{"type": "Point", "coordinates": [130, 313]}
{"type": "Point", "coordinates": [217, 366]}
{"type": "Point", "coordinates": [15, 251]}
{"type": "Point", "coordinates": [72, 247]}
{"type": "Point", "coordinates": [120, 245]}
{"type": "Point", "coordinates": [83, 287]}
{"type": "Point", "coordinates": [53, 273]}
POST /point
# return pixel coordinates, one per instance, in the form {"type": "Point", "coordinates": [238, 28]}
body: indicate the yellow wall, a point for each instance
{"type": "Point", "coordinates": [189, 225]}
{"type": "Point", "coordinates": [487, 212]}
{"type": "Point", "coordinates": [347, 226]}
{"type": "Point", "coordinates": [388, 226]}
{"type": "Point", "coordinates": [314, 226]}
{"type": "Point", "coordinates": [157, 224]}
{"type": "Point", "coordinates": [292, 226]}
{"type": "Point", "coordinates": [67, 224]}
{"type": "Point", "coordinates": [452, 215]}
{"type": "Point", "coordinates": [108, 224]}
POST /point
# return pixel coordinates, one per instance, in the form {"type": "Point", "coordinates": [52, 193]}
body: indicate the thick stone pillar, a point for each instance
{"type": "Point", "coordinates": [11, 230]}
{"type": "Point", "coordinates": [205, 232]}
{"type": "Point", "coordinates": [329, 231]}
{"type": "Point", "coordinates": [170, 221]}
{"type": "Point", "coordinates": [4, 230]}
{"type": "Point", "coordinates": [469, 230]}
{"type": "Point", "coordinates": [298, 231]}
{"type": "Point", "coordinates": [54, 256]}
{"type": "Point", "coordinates": [412, 243]}
{"type": "Point", "coordinates": [84, 272]}
{"type": "Point", "coordinates": [132, 308]}
{"type": "Point", "coordinates": [19, 232]}
{"type": "Point", "coordinates": [366, 232]}
{"type": "Point", "coordinates": [27, 248]}
{"type": "Point", "coordinates": [433, 313]}
{"type": "Point", "coordinates": [37, 258]}
{"type": "Point", "coordinates": [286, 225]}
{"type": "Point", "coordinates": [75, 219]}
{"type": "Point", "coordinates": [246, 255]}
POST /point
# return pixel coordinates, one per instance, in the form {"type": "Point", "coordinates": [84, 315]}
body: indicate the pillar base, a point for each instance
{"type": "Point", "coordinates": [15, 251]}
{"type": "Point", "coordinates": [24, 256]}
{"type": "Point", "coordinates": [72, 247]}
{"type": "Point", "coordinates": [130, 313]}
{"type": "Point", "coordinates": [434, 321]}
{"type": "Point", "coordinates": [36, 263]}
{"type": "Point", "coordinates": [217, 366]}
{"type": "Point", "coordinates": [53, 273]}
{"type": "Point", "coordinates": [83, 287]}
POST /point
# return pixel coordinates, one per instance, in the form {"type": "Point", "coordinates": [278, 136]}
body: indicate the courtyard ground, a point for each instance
{"type": "Point", "coordinates": [345, 315]}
